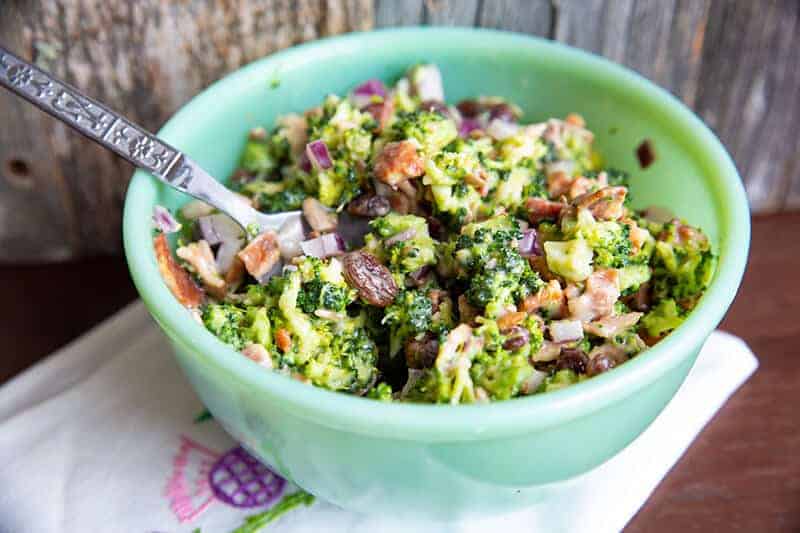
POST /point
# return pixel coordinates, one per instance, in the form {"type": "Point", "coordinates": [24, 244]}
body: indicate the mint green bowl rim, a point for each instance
{"type": "Point", "coordinates": [436, 423]}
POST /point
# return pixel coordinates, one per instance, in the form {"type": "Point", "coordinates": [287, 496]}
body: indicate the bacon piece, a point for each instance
{"type": "Point", "coordinates": [610, 326]}
{"type": "Point", "coordinates": [540, 209]}
{"type": "Point", "coordinates": [548, 352]}
{"type": "Point", "coordinates": [480, 180]}
{"type": "Point", "coordinates": [598, 298]}
{"type": "Point", "coordinates": [583, 185]}
{"type": "Point", "coordinates": [509, 320]}
{"type": "Point", "coordinates": [398, 161]}
{"type": "Point", "coordinates": [549, 299]}
{"type": "Point", "coordinates": [575, 119]}
{"type": "Point", "coordinates": [235, 274]}
{"type": "Point", "coordinates": [261, 254]}
{"type": "Point", "coordinates": [381, 112]}
{"type": "Point", "coordinates": [179, 282]}
{"type": "Point", "coordinates": [579, 186]}
{"type": "Point", "coordinates": [603, 204]}
{"type": "Point", "coordinates": [638, 236]}
{"type": "Point", "coordinates": [201, 259]}
{"type": "Point", "coordinates": [257, 353]}
{"type": "Point", "coordinates": [558, 183]}
{"type": "Point", "coordinates": [283, 339]}
{"type": "Point", "coordinates": [684, 235]}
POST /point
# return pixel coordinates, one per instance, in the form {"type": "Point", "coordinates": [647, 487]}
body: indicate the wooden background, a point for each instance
{"type": "Point", "coordinates": [735, 62]}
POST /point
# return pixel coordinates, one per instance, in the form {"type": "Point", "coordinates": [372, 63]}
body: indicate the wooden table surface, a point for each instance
{"type": "Point", "coordinates": [741, 474]}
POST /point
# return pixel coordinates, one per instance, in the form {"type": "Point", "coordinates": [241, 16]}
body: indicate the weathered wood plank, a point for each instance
{"type": "Point", "coordinates": [748, 92]}
{"type": "Point", "coordinates": [390, 13]}
{"type": "Point", "coordinates": [734, 62]}
{"type": "Point", "coordinates": [36, 213]}
{"type": "Point", "coordinates": [528, 16]}
{"type": "Point", "coordinates": [143, 58]}
{"type": "Point", "coordinates": [451, 12]}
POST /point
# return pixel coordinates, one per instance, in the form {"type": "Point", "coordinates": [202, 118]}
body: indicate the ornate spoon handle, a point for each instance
{"type": "Point", "coordinates": [131, 142]}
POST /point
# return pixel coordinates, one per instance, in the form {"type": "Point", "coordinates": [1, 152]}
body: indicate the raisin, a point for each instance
{"type": "Point", "coordinates": [572, 359]}
{"type": "Point", "coordinates": [419, 277]}
{"type": "Point", "coordinates": [502, 111]}
{"type": "Point", "coordinates": [370, 278]}
{"type": "Point", "coordinates": [434, 106]}
{"type": "Point", "coordinates": [469, 108]}
{"type": "Point", "coordinates": [645, 153]}
{"type": "Point", "coordinates": [369, 205]}
{"type": "Point", "coordinates": [599, 364]}
{"type": "Point", "coordinates": [516, 339]}
{"type": "Point", "coordinates": [422, 353]}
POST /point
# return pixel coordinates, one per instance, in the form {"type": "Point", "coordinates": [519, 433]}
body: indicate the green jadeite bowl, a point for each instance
{"type": "Point", "coordinates": [441, 460]}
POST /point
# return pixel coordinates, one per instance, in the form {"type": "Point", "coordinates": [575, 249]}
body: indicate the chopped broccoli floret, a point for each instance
{"type": "Point", "coordinates": [236, 326]}
{"type": "Point", "coordinates": [570, 259]}
{"type": "Point", "coordinates": [382, 392]}
{"type": "Point", "coordinates": [413, 251]}
{"type": "Point", "coordinates": [662, 319]}
{"type": "Point", "coordinates": [500, 373]}
{"type": "Point", "coordinates": [559, 380]}
{"type": "Point", "coordinates": [429, 129]}
{"type": "Point", "coordinates": [410, 313]}
{"type": "Point", "coordinates": [225, 321]}
{"type": "Point", "coordinates": [487, 258]}
{"type": "Point", "coordinates": [683, 264]}
{"type": "Point", "coordinates": [631, 276]}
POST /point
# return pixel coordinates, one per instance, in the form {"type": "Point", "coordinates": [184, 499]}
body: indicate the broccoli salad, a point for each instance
{"type": "Point", "coordinates": [447, 254]}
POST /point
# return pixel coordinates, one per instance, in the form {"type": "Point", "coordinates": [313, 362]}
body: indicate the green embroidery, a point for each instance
{"type": "Point", "coordinates": [254, 523]}
{"type": "Point", "coordinates": [204, 415]}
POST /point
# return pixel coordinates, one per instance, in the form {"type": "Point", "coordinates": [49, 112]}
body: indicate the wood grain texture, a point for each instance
{"type": "Point", "coordinates": [451, 12]}
{"type": "Point", "coordinates": [749, 92]}
{"type": "Point", "coordinates": [525, 16]}
{"type": "Point", "coordinates": [61, 196]}
{"type": "Point", "coordinates": [735, 62]}
{"type": "Point", "coordinates": [389, 13]}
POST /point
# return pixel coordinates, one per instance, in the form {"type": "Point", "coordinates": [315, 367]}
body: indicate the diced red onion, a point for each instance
{"type": "Point", "coordinates": [427, 83]}
{"type": "Point", "coordinates": [566, 330]}
{"type": "Point", "coordinates": [467, 126]}
{"type": "Point", "coordinates": [529, 244]}
{"type": "Point", "coordinates": [164, 220]}
{"type": "Point", "coordinates": [276, 269]}
{"type": "Point", "coordinates": [365, 94]}
{"type": "Point", "coordinates": [195, 209]}
{"type": "Point", "coordinates": [400, 237]}
{"type": "Point", "coordinates": [532, 383]}
{"type": "Point", "coordinates": [304, 163]}
{"type": "Point", "coordinates": [381, 189]}
{"type": "Point", "coordinates": [327, 245]}
{"type": "Point", "coordinates": [226, 253]}
{"type": "Point", "coordinates": [289, 236]}
{"type": "Point", "coordinates": [327, 314]}
{"type": "Point", "coordinates": [218, 228]}
{"type": "Point", "coordinates": [318, 154]}
{"type": "Point", "coordinates": [352, 229]}
{"type": "Point", "coordinates": [500, 129]}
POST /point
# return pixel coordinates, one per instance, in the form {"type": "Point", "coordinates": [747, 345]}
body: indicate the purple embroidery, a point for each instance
{"type": "Point", "coordinates": [239, 479]}
{"type": "Point", "coordinates": [201, 475]}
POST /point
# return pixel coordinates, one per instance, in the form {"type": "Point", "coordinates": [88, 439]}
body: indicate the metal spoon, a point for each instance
{"type": "Point", "coordinates": [131, 142]}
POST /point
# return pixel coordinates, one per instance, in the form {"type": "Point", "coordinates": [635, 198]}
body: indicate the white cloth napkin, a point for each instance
{"type": "Point", "coordinates": [102, 437]}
